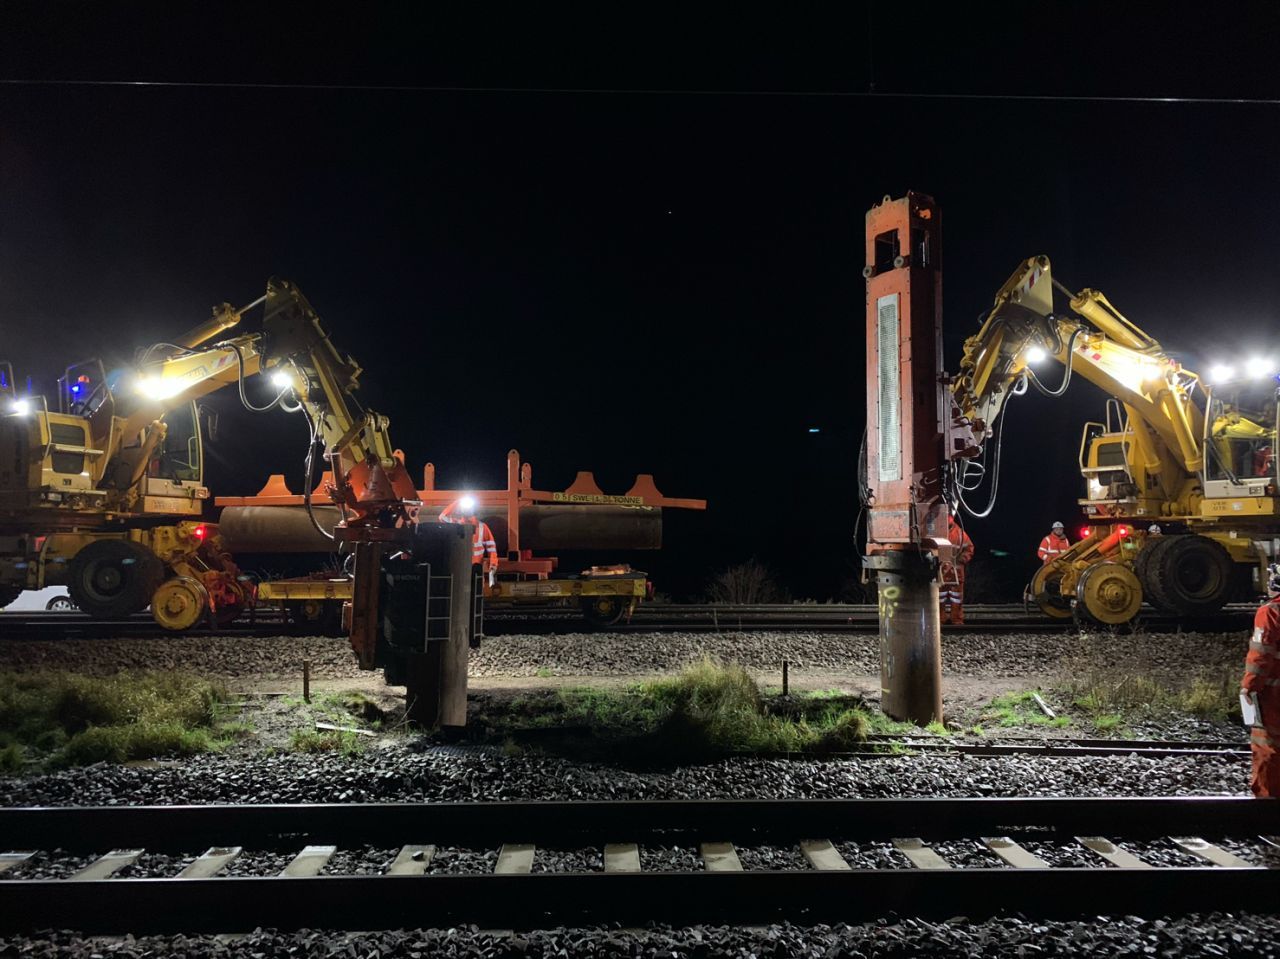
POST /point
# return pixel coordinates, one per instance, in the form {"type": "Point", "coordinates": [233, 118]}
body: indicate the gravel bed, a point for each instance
{"type": "Point", "coordinates": [155, 865]}
{"type": "Point", "coordinates": [258, 863]}
{"type": "Point", "coordinates": [967, 854]}
{"type": "Point", "coordinates": [236, 657]}
{"type": "Point", "coordinates": [771, 857]}
{"type": "Point", "coordinates": [1004, 654]}
{"type": "Point", "coordinates": [604, 654]}
{"type": "Point", "coordinates": [670, 859]}
{"type": "Point", "coordinates": [452, 860]}
{"type": "Point", "coordinates": [872, 855]}
{"type": "Point", "coordinates": [568, 860]}
{"type": "Point", "coordinates": [46, 865]}
{"type": "Point", "coordinates": [1220, 934]}
{"type": "Point", "coordinates": [1063, 854]}
{"type": "Point", "coordinates": [55, 864]}
{"type": "Point", "coordinates": [362, 861]}
{"type": "Point", "coordinates": [399, 775]}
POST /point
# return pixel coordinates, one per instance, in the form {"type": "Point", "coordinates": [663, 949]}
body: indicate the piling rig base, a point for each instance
{"type": "Point", "coordinates": [910, 634]}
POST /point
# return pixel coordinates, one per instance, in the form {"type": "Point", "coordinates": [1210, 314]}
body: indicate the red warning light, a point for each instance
{"type": "Point", "coordinates": [1124, 531]}
{"type": "Point", "coordinates": [1084, 532]}
{"type": "Point", "coordinates": [200, 532]}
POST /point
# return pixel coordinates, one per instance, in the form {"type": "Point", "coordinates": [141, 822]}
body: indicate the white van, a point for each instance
{"type": "Point", "coordinates": [55, 599]}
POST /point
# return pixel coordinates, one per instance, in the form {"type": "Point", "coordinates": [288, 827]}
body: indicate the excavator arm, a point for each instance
{"type": "Point", "coordinates": [1094, 340]}
{"type": "Point", "coordinates": [309, 374]}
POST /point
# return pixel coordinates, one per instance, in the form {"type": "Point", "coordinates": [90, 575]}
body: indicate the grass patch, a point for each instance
{"type": "Point", "coordinates": [65, 719]}
{"type": "Point", "coordinates": [1112, 699]}
{"type": "Point", "coordinates": [1020, 709]}
{"type": "Point", "coordinates": [341, 742]}
{"type": "Point", "coordinates": [709, 709]}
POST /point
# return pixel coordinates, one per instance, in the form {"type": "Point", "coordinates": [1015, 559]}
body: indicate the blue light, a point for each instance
{"type": "Point", "coordinates": [75, 388]}
{"type": "Point", "coordinates": [814, 429]}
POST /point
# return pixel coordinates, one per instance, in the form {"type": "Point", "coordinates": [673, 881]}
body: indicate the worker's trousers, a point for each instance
{"type": "Point", "coordinates": [1265, 780]}
{"type": "Point", "coordinates": [951, 595]}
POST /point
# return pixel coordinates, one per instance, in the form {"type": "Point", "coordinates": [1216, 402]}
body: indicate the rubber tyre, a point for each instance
{"type": "Point", "coordinates": [603, 611]}
{"type": "Point", "coordinates": [61, 604]}
{"type": "Point", "coordinates": [8, 594]}
{"type": "Point", "coordinates": [114, 577]}
{"type": "Point", "coordinates": [1193, 575]}
{"type": "Point", "coordinates": [1148, 560]}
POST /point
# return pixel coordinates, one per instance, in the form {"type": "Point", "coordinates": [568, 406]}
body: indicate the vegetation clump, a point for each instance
{"type": "Point", "coordinates": [66, 719]}
{"type": "Point", "coordinates": [708, 709]}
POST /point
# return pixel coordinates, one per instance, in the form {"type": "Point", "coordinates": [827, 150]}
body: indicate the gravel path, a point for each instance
{"type": "Point", "coordinates": [604, 654]}
{"type": "Point", "coordinates": [397, 774]}
{"type": "Point", "coordinates": [1218, 934]}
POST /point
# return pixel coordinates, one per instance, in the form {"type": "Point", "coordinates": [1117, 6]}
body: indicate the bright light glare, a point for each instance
{"type": "Point", "coordinates": [1221, 373]}
{"type": "Point", "coordinates": [1036, 355]}
{"type": "Point", "coordinates": [281, 380]}
{"type": "Point", "coordinates": [467, 504]}
{"type": "Point", "coordinates": [1258, 366]}
{"type": "Point", "coordinates": [154, 388]}
{"type": "Point", "coordinates": [21, 407]}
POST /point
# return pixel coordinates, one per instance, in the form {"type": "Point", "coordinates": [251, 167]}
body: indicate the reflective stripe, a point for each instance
{"type": "Point", "coordinates": [1264, 647]}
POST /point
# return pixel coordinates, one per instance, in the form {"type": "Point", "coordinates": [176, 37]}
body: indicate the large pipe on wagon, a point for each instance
{"type": "Point", "coordinates": [543, 526]}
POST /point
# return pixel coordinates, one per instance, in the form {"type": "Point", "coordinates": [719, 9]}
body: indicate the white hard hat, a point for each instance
{"type": "Point", "coordinates": [1058, 525]}
{"type": "Point", "coordinates": [1153, 528]}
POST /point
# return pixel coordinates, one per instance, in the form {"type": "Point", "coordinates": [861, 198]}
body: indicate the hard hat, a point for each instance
{"type": "Point", "coordinates": [1058, 525]}
{"type": "Point", "coordinates": [1154, 529]}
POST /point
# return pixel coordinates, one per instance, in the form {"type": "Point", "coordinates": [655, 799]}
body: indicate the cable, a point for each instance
{"type": "Point", "coordinates": [1066, 376]}
{"type": "Point", "coordinates": [643, 91]}
{"type": "Point", "coordinates": [240, 384]}
{"type": "Point", "coordinates": [313, 427]}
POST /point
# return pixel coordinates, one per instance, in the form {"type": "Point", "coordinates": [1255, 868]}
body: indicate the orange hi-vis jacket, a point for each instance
{"type": "Point", "coordinates": [1052, 546]}
{"type": "Point", "coordinates": [482, 542]}
{"type": "Point", "coordinates": [960, 539]}
{"type": "Point", "coordinates": [1262, 678]}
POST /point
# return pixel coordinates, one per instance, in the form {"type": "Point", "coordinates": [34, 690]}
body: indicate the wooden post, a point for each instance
{"type": "Point", "coordinates": [306, 680]}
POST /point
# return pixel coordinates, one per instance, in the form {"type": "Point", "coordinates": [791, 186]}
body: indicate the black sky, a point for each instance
{"type": "Point", "coordinates": [632, 281]}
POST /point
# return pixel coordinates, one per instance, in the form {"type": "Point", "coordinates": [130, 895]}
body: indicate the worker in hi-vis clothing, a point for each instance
{"type": "Point", "coordinates": [951, 589]}
{"type": "Point", "coordinates": [1260, 692]}
{"type": "Point", "coordinates": [484, 551]}
{"type": "Point", "coordinates": [1053, 545]}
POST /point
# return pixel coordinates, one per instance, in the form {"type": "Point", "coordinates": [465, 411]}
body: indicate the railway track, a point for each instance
{"type": "Point", "coordinates": [828, 618]}
{"type": "Point", "coordinates": [1066, 746]}
{"type": "Point", "coordinates": [1127, 842]}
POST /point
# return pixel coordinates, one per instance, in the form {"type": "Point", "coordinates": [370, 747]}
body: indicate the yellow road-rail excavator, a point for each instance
{"type": "Point", "coordinates": [101, 491]}
{"type": "Point", "coordinates": [1195, 457]}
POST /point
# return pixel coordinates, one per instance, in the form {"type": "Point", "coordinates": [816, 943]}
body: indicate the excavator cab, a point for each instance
{"type": "Point", "coordinates": [1241, 423]}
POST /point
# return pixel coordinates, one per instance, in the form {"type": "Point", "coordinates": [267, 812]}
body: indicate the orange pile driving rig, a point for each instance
{"type": "Point", "coordinates": [523, 519]}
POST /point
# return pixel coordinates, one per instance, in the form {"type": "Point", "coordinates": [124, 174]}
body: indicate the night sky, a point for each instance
{"type": "Point", "coordinates": [634, 281]}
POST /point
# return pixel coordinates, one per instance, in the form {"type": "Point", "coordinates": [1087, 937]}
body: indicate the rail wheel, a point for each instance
{"type": "Point", "coordinates": [179, 603]}
{"type": "Point", "coordinates": [113, 577]}
{"type": "Point", "coordinates": [1046, 590]}
{"type": "Point", "coordinates": [60, 604]}
{"type": "Point", "coordinates": [1192, 575]}
{"type": "Point", "coordinates": [1109, 593]}
{"type": "Point", "coordinates": [603, 611]}
{"type": "Point", "coordinates": [322, 617]}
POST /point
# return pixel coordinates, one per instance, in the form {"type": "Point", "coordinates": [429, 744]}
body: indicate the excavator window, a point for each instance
{"type": "Point", "coordinates": [1112, 454]}
{"type": "Point", "coordinates": [179, 457]}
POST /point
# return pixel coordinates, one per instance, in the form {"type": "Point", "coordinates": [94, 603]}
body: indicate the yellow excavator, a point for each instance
{"type": "Point", "coordinates": [1194, 457]}
{"type": "Point", "coordinates": [102, 491]}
